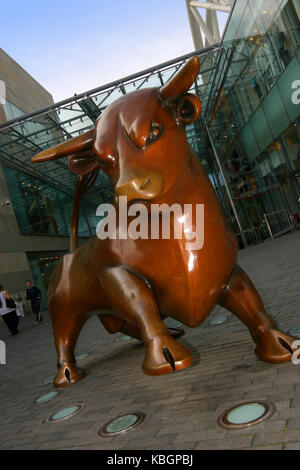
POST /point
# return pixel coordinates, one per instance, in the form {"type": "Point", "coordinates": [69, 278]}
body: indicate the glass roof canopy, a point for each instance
{"type": "Point", "coordinates": [25, 136]}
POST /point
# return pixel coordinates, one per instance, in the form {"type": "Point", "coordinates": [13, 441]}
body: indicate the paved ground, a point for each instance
{"type": "Point", "coordinates": [181, 408]}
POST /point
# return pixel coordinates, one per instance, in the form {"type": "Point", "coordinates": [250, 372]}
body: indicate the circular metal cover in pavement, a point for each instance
{"type": "Point", "coordinates": [121, 424]}
{"type": "Point", "coordinates": [65, 413]}
{"type": "Point", "coordinates": [245, 415]}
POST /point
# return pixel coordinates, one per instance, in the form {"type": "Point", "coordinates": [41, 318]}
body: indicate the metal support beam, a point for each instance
{"type": "Point", "coordinates": [206, 32]}
{"type": "Point", "coordinates": [218, 6]}
{"type": "Point", "coordinates": [202, 25]}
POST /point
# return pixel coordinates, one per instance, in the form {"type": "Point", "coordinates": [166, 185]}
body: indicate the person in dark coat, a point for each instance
{"type": "Point", "coordinates": [34, 294]}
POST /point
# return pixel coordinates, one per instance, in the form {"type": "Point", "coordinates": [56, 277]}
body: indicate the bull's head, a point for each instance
{"type": "Point", "coordinates": [139, 140]}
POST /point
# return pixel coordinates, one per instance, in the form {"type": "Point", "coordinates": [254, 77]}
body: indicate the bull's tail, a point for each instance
{"type": "Point", "coordinates": [84, 182]}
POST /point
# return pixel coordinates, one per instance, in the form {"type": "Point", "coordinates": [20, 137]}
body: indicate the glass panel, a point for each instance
{"type": "Point", "coordinates": [291, 139]}
{"type": "Point", "coordinates": [247, 25]}
{"type": "Point", "coordinates": [238, 12]}
{"type": "Point", "coordinates": [43, 210]}
{"type": "Point", "coordinates": [275, 110]}
{"type": "Point", "coordinates": [249, 142]}
{"type": "Point", "coordinates": [289, 94]}
{"type": "Point", "coordinates": [263, 12]}
{"type": "Point", "coordinates": [261, 129]}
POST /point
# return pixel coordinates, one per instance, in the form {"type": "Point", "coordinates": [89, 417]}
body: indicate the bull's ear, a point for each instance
{"type": "Point", "coordinates": [188, 109]}
{"type": "Point", "coordinates": [182, 80]}
{"type": "Point", "coordinates": [83, 163]}
{"type": "Point", "coordinates": [81, 143]}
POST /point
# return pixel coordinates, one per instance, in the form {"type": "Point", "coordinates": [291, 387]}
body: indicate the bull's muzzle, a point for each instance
{"type": "Point", "coordinates": [145, 185]}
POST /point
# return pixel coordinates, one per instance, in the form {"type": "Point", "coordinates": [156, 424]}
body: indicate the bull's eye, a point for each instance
{"type": "Point", "coordinates": [155, 132]}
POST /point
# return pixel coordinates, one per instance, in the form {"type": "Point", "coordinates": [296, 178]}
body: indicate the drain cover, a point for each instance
{"type": "Point", "coordinates": [47, 397]}
{"type": "Point", "coordinates": [65, 413]}
{"type": "Point", "coordinates": [247, 414]}
{"type": "Point", "coordinates": [294, 331]}
{"type": "Point", "coordinates": [220, 318]}
{"type": "Point", "coordinates": [49, 380]}
{"type": "Point", "coordinates": [124, 338]}
{"type": "Point", "coordinates": [121, 424]}
{"type": "Point", "coordinates": [82, 356]}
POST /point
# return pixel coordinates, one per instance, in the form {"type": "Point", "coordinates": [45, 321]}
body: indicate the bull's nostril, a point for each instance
{"type": "Point", "coordinates": [67, 374]}
{"type": "Point", "coordinates": [145, 183]}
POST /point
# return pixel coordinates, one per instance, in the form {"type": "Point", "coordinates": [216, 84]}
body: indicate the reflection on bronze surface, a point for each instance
{"type": "Point", "coordinates": [140, 142]}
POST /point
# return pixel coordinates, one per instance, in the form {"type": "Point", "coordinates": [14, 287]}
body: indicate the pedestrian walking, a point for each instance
{"type": "Point", "coordinates": [34, 295]}
{"type": "Point", "coordinates": [8, 311]}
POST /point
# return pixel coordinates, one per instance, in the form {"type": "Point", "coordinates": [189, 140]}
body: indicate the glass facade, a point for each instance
{"type": "Point", "coordinates": [42, 265]}
{"type": "Point", "coordinates": [255, 120]}
{"type": "Point", "coordinates": [41, 209]}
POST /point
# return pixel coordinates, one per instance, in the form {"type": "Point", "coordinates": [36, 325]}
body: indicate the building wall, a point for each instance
{"type": "Point", "coordinates": [22, 90]}
{"type": "Point", "coordinates": [23, 95]}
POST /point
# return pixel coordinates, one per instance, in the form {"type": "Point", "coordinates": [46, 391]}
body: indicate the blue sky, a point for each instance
{"type": "Point", "coordinates": [71, 46]}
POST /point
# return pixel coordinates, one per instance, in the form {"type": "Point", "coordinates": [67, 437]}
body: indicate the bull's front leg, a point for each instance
{"type": "Point", "coordinates": [67, 324]}
{"type": "Point", "coordinates": [130, 297]}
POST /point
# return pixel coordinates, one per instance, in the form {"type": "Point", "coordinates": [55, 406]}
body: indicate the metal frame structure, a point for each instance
{"type": "Point", "coordinates": [206, 32]}
{"type": "Point", "coordinates": [23, 137]}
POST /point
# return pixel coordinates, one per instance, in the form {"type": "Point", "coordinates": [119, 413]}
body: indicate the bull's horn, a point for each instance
{"type": "Point", "coordinates": [78, 144]}
{"type": "Point", "coordinates": [182, 80]}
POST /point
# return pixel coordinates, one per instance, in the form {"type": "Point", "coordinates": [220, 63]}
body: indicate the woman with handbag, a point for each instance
{"type": "Point", "coordinates": [8, 311]}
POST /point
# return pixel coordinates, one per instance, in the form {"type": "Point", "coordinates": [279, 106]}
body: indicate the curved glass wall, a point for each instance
{"type": "Point", "coordinates": [43, 210]}
{"type": "Point", "coordinates": [254, 121]}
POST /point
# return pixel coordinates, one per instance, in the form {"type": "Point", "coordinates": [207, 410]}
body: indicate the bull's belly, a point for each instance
{"type": "Point", "coordinates": [187, 284]}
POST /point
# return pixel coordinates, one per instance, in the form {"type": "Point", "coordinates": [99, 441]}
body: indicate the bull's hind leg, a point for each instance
{"type": "Point", "coordinates": [117, 325]}
{"type": "Point", "coordinates": [242, 299]}
{"type": "Point", "coordinates": [66, 328]}
{"type": "Point", "coordinates": [133, 300]}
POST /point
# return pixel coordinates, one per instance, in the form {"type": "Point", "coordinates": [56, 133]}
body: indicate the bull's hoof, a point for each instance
{"type": "Point", "coordinates": [68, 374]}
{"type": "Point", "coordinates": [165, 355]}
{"type": "Point", "coordinates": [275, 346]}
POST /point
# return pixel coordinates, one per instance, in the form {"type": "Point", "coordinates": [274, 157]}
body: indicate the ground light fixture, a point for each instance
{"type": "Point", "coordinates": [294, 331]}
{"type": "Point", "coordinates": [220, 318]}
{"type": "Point", "coordinates": [245, 415]}
{"type": "Point", "coordinates": [65, 413]}
{"type": "Point", "coordinates": [121, 424]}
{"type": "Point", "coordinates": [124, 338]}
{"type": "Point", "coordinates": [82, 356]}
{"type": "Point", "coordinates": [47, 397]}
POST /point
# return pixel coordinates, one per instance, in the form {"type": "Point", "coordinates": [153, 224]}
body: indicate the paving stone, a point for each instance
{"type": "Point", "coordinates": [225, 444]}
{"type": "Point", "coordinates": [276, 447]}
{"type": "Point", "coordinates": [293, 423]}
{"type": "Point", "coordinates": [294, 446]}
{"type": "Point", "coordinates": [277, 437]}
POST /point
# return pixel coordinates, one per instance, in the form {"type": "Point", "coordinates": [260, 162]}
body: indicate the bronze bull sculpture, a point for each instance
{"type": "Point", "coordinates": [133, 284]}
